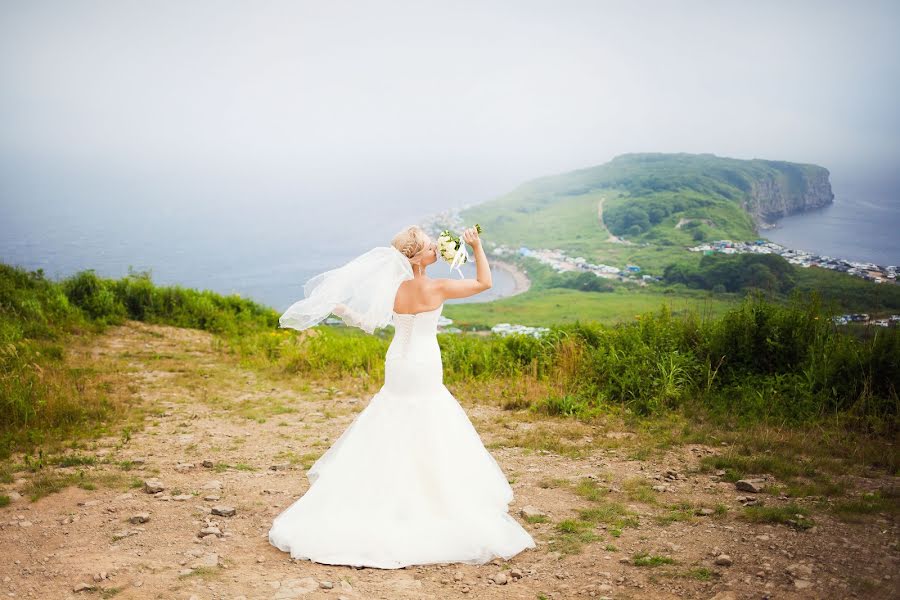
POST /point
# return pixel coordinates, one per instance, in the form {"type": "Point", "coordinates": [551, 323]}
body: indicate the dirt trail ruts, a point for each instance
{"type": "Point", "coordinates": [612, 238]}
{"type": "Point", "coordinates": [205, 407]}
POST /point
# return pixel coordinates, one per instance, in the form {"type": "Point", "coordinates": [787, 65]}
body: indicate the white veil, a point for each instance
{"type": "Point", "coordinates": [361, 292]}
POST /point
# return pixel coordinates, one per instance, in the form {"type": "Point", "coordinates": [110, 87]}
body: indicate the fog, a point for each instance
{"type": "Point", "coordinates": [285, 123]}
{"type": "Point", "coordinates": [453, 100]}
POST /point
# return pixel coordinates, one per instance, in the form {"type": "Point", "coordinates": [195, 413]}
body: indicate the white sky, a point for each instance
{"type": "Point", "coordinates": [457, 100]}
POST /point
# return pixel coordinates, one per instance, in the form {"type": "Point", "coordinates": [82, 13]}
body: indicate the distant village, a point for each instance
{"type": "Point", "coordinates": [870, 271]}
{"type": "Point", "coordinates": [561, 262]}
{"type": "Point", "coordinates": [892, 321]}
{"type": "Point", "coordinates": [445, 325]}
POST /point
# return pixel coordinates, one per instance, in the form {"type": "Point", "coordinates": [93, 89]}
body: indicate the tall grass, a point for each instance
{"type": "Point", "coordinates": [42, 396]}
{"type": "Point", "coordinates": [761, 361]}
{"type": "Point", "coordinates": [780, 363]}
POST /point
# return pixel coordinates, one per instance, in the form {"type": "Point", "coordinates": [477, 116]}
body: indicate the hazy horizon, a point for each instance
{"type": "Point", "coordinates": [308, 131]}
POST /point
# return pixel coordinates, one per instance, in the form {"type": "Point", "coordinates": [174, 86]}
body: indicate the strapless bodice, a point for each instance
{"type": "Point", "coordinates": [413, 358]}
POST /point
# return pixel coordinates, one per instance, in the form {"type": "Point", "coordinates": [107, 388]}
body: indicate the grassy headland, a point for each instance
{"type": "Point", "coordinates": [647, 210]}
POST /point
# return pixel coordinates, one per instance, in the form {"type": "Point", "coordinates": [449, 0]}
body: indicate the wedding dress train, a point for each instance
{"type": "Point", "coordinates": [409, 481]}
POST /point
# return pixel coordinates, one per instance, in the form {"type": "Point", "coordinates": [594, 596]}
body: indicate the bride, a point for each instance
{"type": "Point", "coordinates": [409, 481]}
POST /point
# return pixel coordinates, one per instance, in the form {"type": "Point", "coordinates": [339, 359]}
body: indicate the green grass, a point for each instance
{"type": "Point", "coordinates": [74, 460]}
{"type": "Point", "coordinates": [614, 514]}
{"type": "Point", "coordinates": [570, 223]}
{"type": "Point", "coordinates": [640, 489]}
{"type": "Point", "coordinates": [661, 189]}
{"type": "Point", "coordinates": [536, 519]}
{"type": "Point", "coordinates": [44, 484]}
{"type": "Point", "coordinates": [792, 515]}
{"type": "Point", "coordinates": [677, 512]}
{"type": "Point", "coordinates": [552, 482]}
{"type": "Point", "coordinates": [202, 572]}
{"type": "Point", "coordinates": [542, 308]}
{"type": "Point", "coordinates": [590, 490]}
{"type": "Point", "coordinates": [573, 535]}
{"type": "Point", "coordinates": [700, 574]}
{"type": "Point", "coordinates": [739, 465]}
{"type": "Point", "coordinates": [645, 559]}
{"type": "Point", "coordinates": [854, 510]}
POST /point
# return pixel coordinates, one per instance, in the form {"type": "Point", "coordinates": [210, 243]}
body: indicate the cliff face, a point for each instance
{"type": "Point", "coordinates": [787, 189]}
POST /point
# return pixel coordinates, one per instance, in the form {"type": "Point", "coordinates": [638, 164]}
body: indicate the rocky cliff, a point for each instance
{"type": "Point", "coordinates": [786, 189]}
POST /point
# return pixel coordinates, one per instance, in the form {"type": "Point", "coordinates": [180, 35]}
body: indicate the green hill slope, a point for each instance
{"type": "Point", "coordinates": [665, 199]}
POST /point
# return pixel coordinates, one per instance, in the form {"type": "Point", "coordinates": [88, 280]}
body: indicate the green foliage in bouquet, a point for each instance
{"type": "Point", "coordinates": [450, 243]}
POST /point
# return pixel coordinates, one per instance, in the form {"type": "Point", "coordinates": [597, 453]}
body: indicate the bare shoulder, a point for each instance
{"type": "Point", "coordinates": [416, 295]}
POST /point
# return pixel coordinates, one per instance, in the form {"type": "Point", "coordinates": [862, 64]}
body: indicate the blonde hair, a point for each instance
{"type": "Point", "coordinates": [412, 242]}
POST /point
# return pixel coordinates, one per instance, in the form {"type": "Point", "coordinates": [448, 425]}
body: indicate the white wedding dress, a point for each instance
{"type": "Point", "coordinates": [409, 481]}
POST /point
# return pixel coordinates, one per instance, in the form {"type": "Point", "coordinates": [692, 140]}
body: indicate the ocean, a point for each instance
{"type": "Point", "coordinates": [264, 252]}
{"type": "Point", "coordinates": [863, 224]}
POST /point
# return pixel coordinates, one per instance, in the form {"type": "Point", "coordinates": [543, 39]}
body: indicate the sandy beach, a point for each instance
{"type": "Point", "coordinates": [522, 283]}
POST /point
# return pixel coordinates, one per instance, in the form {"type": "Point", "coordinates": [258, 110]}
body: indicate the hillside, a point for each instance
{"type": "Point", "coordinates": [647, 211]}
{"type": "Point", "coordinates": [149, 435]}
{"type": "Point", "coordinates": [657, 198]}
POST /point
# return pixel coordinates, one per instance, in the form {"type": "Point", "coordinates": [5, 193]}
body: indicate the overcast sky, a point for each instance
{"type": "Point", "coordinates": [452, 101]}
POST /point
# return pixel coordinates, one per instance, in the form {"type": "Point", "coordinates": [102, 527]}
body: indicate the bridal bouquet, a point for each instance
{"type": "Point", "coordinates": [453, 250]}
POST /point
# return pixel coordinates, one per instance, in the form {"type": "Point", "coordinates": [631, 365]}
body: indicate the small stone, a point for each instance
{"type": "Point", "coordinates": [705, 512]}
{"type": "Point", "coordinates": [516, 573]}
{"type": "Point", "coordinates": [141, 517]}
{"type": "Point", "coordinates": [212, 498]}
{"type": "Point", "coordinates": [223, 511]}
{"type": "Point", "coordinates": [182, 497]}
{"type": "Point", "coordinates": [207, 560]}
{"type": "Point", "coordinates": [210, 531]}
{"type": "Point", "coordinates": [153, 486]}
{"type": "Point", "coordinates": [799, 570]}
{"type": "Point", "coordinates": [723, 560]}
{"type": "Point", "coordinates": [208, 464]}
{"type": "Point", "coordinates": [499, 578]}
{"type": "Point", "coordinates": [121, 535]}
{"type": "Point", "coordinates": [531, 512]}
{"type": "Point", "coordinates": [84, 587]}
{"type": "Point", "coordinates": [750, 485]}
{"type": "Point", "coordinates": [326, 585]}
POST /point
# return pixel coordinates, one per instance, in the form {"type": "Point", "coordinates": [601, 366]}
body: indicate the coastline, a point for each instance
{"type": "Point", "coordinates": [521, 281]}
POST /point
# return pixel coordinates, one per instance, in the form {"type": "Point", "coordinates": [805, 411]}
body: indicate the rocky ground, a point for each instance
{"type": "Point", "coordinates": [182, 506]}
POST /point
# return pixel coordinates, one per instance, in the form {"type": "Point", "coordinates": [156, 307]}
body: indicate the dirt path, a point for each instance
{"type": "Point", "coordinates": [258, 436]}
{"type": "Point", "coordinates": [612, 238]}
